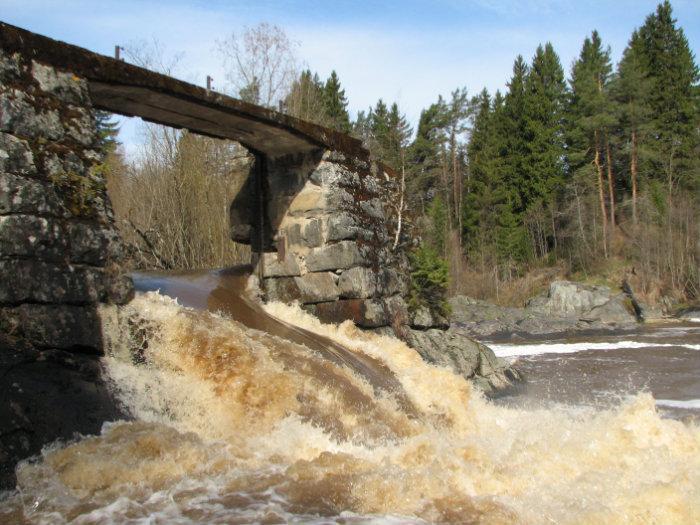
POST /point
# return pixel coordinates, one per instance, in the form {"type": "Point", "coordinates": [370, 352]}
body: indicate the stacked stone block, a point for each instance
{"type": "Point", "coordinates": [59, 259]}
{"type": "Point", "coordinates": [58, 248]}
{"type": "Point", "coordinates": [332, 233]}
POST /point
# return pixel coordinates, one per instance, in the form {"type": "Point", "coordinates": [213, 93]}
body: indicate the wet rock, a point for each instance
{"type": "Point", "coordinates": [357, 283]}
{"type": "Point", "coordinates": [344, 254]}
{"type": "Point", "coordinates": [364, 313]}
{"type": "Point", "coordinates": [274, 267]}
{"type": "Point", "coordinates": [69, 327]}
{"type": "Point", "coordinates": [317, 287]}
{"type": "Point", "coordinates": [282, 289]}
{"type": "Point", "coordinates": [47, 395]}
{"type": "Point", "coordinates": [651, 313]}
{"type": "Point", "coordinates": [33, 281]}
{"type": "Point", "coordinates": [454, 349]}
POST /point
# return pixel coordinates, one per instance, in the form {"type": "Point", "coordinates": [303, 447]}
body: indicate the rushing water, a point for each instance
{"type": "Point", "coordinates": [312, 423]}
{"type": "Point", "coordinates": [601, 370]}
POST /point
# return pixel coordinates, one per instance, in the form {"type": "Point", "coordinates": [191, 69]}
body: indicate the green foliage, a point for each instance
{"type": "Point", "coordinates": [543, 169]}
{"type": "Point", "coordinates": [335, 104]}
{"type": "Point", "coordinates": [438, 220]}
{"type": "Point", "coordinates": [429, 280]}
{"type": "Point", "coordinates": [107, 131]}
{"type": "Point", "coordinates": [306, 99]}
{"type": "Point", "coordinates": [671, 71]}
{"type": "Point", "coordinates": [80, 191]}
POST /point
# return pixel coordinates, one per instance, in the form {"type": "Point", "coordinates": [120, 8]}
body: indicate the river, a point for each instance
{"type": "Point", "coordinates": [601, 370]}
{"type": "Point", "coordinates": [252, 415]}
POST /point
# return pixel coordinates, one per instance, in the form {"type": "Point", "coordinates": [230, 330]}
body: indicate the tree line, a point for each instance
{"type": "Point", "coordinates": [591, 170]}
{"type": "Point", "coordinates": [586, 171]}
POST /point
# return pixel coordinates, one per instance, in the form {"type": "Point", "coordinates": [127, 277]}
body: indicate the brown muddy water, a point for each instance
{"type": "Point", "coordinates": [252, 415]}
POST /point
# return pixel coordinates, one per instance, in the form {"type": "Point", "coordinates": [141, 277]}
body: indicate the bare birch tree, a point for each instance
{"type": "Point", "coordinates": [260, 63]}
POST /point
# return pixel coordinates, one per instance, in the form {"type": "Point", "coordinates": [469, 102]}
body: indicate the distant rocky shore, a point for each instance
{"type": "Point", "coordinates": [566, 307]}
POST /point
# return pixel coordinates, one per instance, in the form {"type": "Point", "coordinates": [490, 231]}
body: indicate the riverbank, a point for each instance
{"type": "Point", "coordinates": [565, 308]}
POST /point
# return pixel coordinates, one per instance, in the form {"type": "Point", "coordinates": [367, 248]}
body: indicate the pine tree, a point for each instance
{"type": "Point", "coordinates": [589, 119]}
{"type": "Point", "coordinates": [631, 90]}
{"type": "Point", "coordinates": [336, 104]}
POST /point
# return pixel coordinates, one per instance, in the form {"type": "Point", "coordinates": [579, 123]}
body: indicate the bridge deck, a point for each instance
{"type": "Point", "coordinates": [130, 90]}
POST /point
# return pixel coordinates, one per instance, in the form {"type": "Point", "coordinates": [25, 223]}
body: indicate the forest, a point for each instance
{"type": "Point", "coordinates": [591, 173]}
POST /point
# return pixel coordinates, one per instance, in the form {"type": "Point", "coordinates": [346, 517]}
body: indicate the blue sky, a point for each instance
{"type": "Point", "coordinates": [405, 51]}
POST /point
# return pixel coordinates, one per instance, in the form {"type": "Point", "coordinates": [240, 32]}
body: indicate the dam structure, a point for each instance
{"type": "Point", "coordinates": [312, 208]}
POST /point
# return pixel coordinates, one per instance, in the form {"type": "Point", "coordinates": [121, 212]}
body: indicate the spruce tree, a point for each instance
{"type": "Point", "coordinates": [424, 153]}
{"type": "Point", "coordinates": [673, 99]}
{"type": "Point", "coordinates": [306, 99]}
{"type": "Point", "coordinates": [336, 104]}
{"type": "Point", "coordinates": [543, 170]}
{"type": "Point", "coordinates": [515, 148]}
{"type": "Point", "coordinates": [107, 131]}
{"type": "Point", "coordinates": [396, 139]}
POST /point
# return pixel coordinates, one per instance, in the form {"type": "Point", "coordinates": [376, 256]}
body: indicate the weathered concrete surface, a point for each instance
{"type": "Point", "coordinates": [130, 90]}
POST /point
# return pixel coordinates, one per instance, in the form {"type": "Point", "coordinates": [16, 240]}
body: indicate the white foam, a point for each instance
{"type": "Point", "coordinates": [675, 403]}
{"type": "Point", "coordinates": [692, 319]}
{"type": "Point", "coordinates": [515, 350]}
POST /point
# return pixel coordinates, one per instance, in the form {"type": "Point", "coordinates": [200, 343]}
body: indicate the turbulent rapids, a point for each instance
{"type": "Point", "coordinates": [246, 415]}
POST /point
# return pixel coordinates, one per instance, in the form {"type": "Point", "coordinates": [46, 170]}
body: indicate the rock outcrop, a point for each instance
{"type": "Point", "coordinates": [454, 348]}
{"type": "Point", "coordinates": [566, 307]}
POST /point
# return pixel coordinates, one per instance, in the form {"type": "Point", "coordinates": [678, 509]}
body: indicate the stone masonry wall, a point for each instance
{"type": "Point", "coordinates": [59, 259]}
{"type": "Point", "coordinates": [332, 237]}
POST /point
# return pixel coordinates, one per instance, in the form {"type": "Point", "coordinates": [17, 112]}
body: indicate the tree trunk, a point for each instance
{"type": "Point", "coordinates": [400, 209]}
{"type": "Point", "coordinates": [456, 188]}
{"type": "Point", "coordinates": [611, 184]}
{"type": "Point", "coordinates": [633, 174]}
{"type": "Point", "coordinates": [601, 194]}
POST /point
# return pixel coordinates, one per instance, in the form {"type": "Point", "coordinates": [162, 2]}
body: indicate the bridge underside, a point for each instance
{"type": "Point", "coordinates": [123, 88]}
